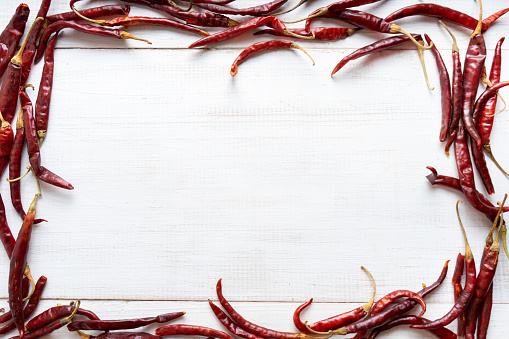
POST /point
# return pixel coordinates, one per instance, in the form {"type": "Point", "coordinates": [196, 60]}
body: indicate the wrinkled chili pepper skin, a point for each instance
{"type": "Point", "coordinates": [45, 87]}
{"type": "Point", "coordinates": [181, 329]}
{"type": "Point", "coordinates": [17, 267]}
{"type": "Point", "coordinates": [445, 88]}
{"type": "Point", "coordinates": [254, 11]}
{"type": "Point", "coordinates": [139, 20]}
{"type": "Point", "coordinates": [484, 280]}
{"type": "Point", "coordinates": [393, 296]}
{"type": "Point", "coordinates": [441, 332]}
{"type": "Point", "coordinates": [5, 232]}
{"type": "Point", "coordinates": [461, 304]}
{"type": "Point", "coordinates": [6, 140]}
{"type": "Point", "coordinates": [482, 166]}
{"type": "Point", "coordinates": [230, 325]}
{"type": "Point", "coordinates": [31, 305]}
{"type": "Point", "coordinates": [11, 35]}
{"type": "Point", "coordinates": [9, 91]}
{"type": "Point", "coordinates": [379, 45]}
{"type": "Point", "coordinates": [361, 19]}
{"type": "Point", "coordinates": [92, 13]}
{"type": "Point", "coordinates": [487, 116]}
{"type": "Point", "coordinates": [31, 45]}
{"type": "Point", "coordinates": [436, 11]}
{"type": "Point", "coordinates": [472, 69]}
{"type": "Point", "coordinates": [485, 315]}
{"type": "Point", "coordinates": [457, 98]}
{"type": "Point", "coordinates": [230, 33]}
{"type": "Point", "coordinates": [320, 33]}
{"type": "Point", "coordinates": [53, 314]}
{"type": "Point", "coordinates": [15, 167]}
{"type": "Point", "coordinates": [110, 325]}
{"type": "Point", "coordinates": [456, 281]}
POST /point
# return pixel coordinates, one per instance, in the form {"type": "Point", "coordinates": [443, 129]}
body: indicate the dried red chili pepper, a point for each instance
{"type": "Point", "coordinates": [334, 7]}
{"type": "Point", "coordinates": [5, 232]}
{"type": "Point", "coordinates": [15, 166]}
{"type": "Point", "coordinates": [391, 297]}
{"type": "Point", "coordinates": [337, 321]}
{"type": "Point", "coordinates": [85, 28]}
{"type": "Point", "coordinates": [53, 314]}
{"type": "Point", "coordinates": [51, 327]}
{"type": "Point", "coordinates": [34, 154]}
{"type": "Point", "coordinates": [125, 324]}
{"type": "Point", "coordinates": [31, 45]}
{"type": "Point", "coordinates": [6, 139]}
{"type": "Point", "coordinates": [251, 327]}
{"type": "Point", "coordinates": [457, 91]}
{"type": "Point", "coordinates": [18, 267]}
{"type": "Point", "coordinates": [461, 304]}
{"type": "Point", "coordinates": [445, 87]}
{"type": "Point", "coordinates": [230, 324]}
{"type": "Point", "coordinates": [400, 308]}
{"type": "Point", "coordinates": [484, 280]}
{"type": "Point", "coordinates": [485, 315]}
{"type": "Point", "coordinates": [379, 45]}
{"type": "Point", "coordinates": [45, 87]}
{"type": "Point", "coordinates": [119, 335]}
{"type": "Point", "coordinates": [182, 329]}
{"type": "Point", "coordinates": [456, 281]}
{"type": "Point", "coordinates": [441, 332]}
{"type": "Point", "coordinates": [30, 306]}
{"type": "Point", "coordinates": [11, 35]}
{"type": "Point", "coordinates": [264, 46]}
{"type": "Point", "coordinates": [492, 18]}
{"type": "Point", "coordinates": [92, 13]}
{"type": "Point", "coordinates": [140, 20]}
{"type": "Point", "coordinates": [204, 19]}
{"type": "Point", "coordinates": [320, 33]}
{"type": "Point", "coordinates": [291, 9]}
{"type": "Point", "coordinates": [270, 21]}
{"type": "Point", "coordinates": [482, 167]}
{"type": "Point", "coordinates": [263, 9]}
{"type": "Point", "coordinates": [472, 68]}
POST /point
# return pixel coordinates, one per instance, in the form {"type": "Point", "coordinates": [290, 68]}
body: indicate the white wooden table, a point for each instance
{"type": "Point", "coordinates": [282, 180]}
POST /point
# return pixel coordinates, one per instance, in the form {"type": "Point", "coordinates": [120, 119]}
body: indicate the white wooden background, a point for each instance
{"type": "Point", "coordinates": [282, 181]}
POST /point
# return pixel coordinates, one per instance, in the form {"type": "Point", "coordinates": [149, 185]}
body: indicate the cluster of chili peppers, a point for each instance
{"type": "Point", "coordinates": [466, 122]}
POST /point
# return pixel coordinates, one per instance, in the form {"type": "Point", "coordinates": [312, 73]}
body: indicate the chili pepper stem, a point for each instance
{"type": "Point", "coordinates": [367, 307]}
{"type": "Point", "coordinates": [487, 149]}
{"type": "Point", "coordinates": [42, 136]}
{"type": "Point", "coordinates": [27, 274]}
{"type": "Point", "coordinates": [68, 319]}
{"type": "Point", "coordinates": [291, 9]}
{"type": "Point", "coordinates": [468, 251]}
{"type": "Point", "coordinates": [455, 47]}
{"type": "Point", "coordinates": [489, 238]}
{"type": "Point", "coordinates": [478, 28]}
{"type": "Point", "coordinates": [423, 64]}
{"type": "Point", "coordinates": [98, 22]}
{"type": "Point", "coordinates": [125, 35]}
{"type": "Point", "coordinates": [38, 194]}
{"type": "Point", "coordinates": [503, 235]}
{"type": "Point", "coordinates": [303, 50]}
{"type": "Point", "coordinates": [83, 335]}
{"type": "Point", "coordinates": [17, 60]}
{"type": "Point", "coordinates": [290, 33]}
{"type": "Point", "coordinates": [319, 13]}
{"type": "Point", "coordinates": [18, 178]}
{"type": "Point", "coordinates": [488, 83]}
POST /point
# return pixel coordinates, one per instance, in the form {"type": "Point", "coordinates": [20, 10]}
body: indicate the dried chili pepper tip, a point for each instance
{"type": "Point", "coordinates": [182, 329]}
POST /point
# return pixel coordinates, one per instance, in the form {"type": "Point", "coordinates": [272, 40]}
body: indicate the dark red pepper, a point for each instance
{"type": "Point", "coordinates": [182, 329]}
{"type": "Point", "coordinates": [92, 13]}
{"type": "Point", "coordinates": [53, 314]}
{"type": "Point", "coordinates": [11, 35]}
{"type": "Point", "coordinates": [441, 332]}
{"type": "Point", "coordinates": [125, 324]}
{"type": "Point", "coordinates": [230, 324]}
{"type": "Point", "coordinates": [320, 33]}
{"type": "Point", "coordinates": [259, 10]}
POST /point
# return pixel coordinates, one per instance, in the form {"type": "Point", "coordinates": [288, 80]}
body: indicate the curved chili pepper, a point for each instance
{"type": "Point", "coordinates": [485, 315]}
{"type": "Point", "coordinates": [5, 232]}
{"type": "Point", "coordinates": [445, 87]}
{"type": "Point", "coordinates": [182, 329]}
{"type": "Point", "coordinates": [393, 296]}
{"type": "Point", "coordinates": [140, 20]}
{"type": "Point", "coordinates": [51, 327]}
{"type": "Point", "coordinates": [337, 321]}
{"type": "Point", "coordinates": [125, 324]}
{"type": "Point", "coordinates": [119, 335]}
{"type": "Point", "coordinates": [7, 315]}
{"type": "Point", "coordinates": [85, 28]}
{"type": "Point", "coordinates": [379, 45]}
{"type": "Point", "coordinates": [18, 265]}
{"type": "Point", "coordinates": [204, 19]}
{"type": "Point", "coordinates": [482, 167]}
{"type": "Point", "coordinates": [270, 21]}
{"type": "Point", "coordinates": [34, 154]}
{"type": "Point", "coordinates": [31, 45]}
{"type": "Point", "coordinates": [320, 33]}
{"type": "Point", "coordinates": [254, 11]}
{"type": "Point", "coordinates": [45, 87]}
{"type": "Point", "coordinates": [461, 304]}
{"type": "Point", "coordinates": [263, 46]}
{"type": "Point", "coordinates": [15, 166]}
{"type": "Point", "coordinates": [30, 306]}
{"type": "Point", "coordinates": [6, 140]}
{"type": "Point", "coordinates": [53, 314]}
{"type": "Point", "coordinates": [400, 308]}
{"type": "Point", "coordinates": [251, 327]}
{"type": "Point", "coordinates": [92, 13]}
{"type": "Point", "coordinates": [441, 332]}
{"type": "Point", "coordinates": [11, 35]}
{"type": "Point", "coordinates": [492, 18]}
{"type": "Point", "coordinates": [230, 324]}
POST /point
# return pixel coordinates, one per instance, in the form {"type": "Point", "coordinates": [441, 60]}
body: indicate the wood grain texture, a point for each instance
{"type": "Point", "coordinates": [282, 180]}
